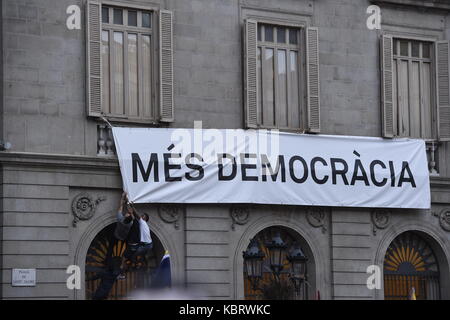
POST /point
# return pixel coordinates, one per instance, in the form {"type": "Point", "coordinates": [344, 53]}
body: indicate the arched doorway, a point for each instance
{"type": "Point", "coordinates": [410, 266]}
{"type": "Point", "coordinates": [104, 256]}
{"type": "Point", "coordinates": [279, 281]}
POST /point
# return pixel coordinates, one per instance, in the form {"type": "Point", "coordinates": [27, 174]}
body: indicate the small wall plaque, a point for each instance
{"type": "Point", "coordinates": [23, 278]}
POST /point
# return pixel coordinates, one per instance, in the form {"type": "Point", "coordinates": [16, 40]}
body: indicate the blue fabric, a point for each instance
{"type": "Point", "coordinates": [162, 277]}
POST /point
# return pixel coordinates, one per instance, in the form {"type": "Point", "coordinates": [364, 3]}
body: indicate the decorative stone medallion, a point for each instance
{"type": "Point", "coordinates": [380, 219]}
{"type": "Point", "coordinates": [170, 214]}
{"type": "Point", "coordinates": [84, 207]}
{"type": "Point", "coordinates": [444, 219]}
{"type": "Point", "coordinates": [239, 215]}
{"type": "Point", "coordinates": [316, 217]}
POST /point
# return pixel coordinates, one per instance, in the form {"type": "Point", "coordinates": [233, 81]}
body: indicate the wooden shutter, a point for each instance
{"type": "Point", "coordinates": [313, 80]}
{"type": "Point", "coordinates": [443, 89]}
{"type": "Point", "coordinates": [166, 65]}
{"type": "Point", "coordinates": [93, 55]}
{"type": "Point", "coordinates": [387, 107]}
{"type": "Point", "coordinates": [250, 82]}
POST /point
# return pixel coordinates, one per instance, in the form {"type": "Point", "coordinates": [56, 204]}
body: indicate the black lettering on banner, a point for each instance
{"type": "Point", "coordinates": [335, 172]}
{"type": "Point", "coordinates": [145, 173]}
{"type": "Point", "coordinates": [313, 170]}
{"type": "Point", "coordinates": [197, 167]}
{"type": "Point", "coordinates": [247, 166]}
{"type": "Point", "coordinates": [372, 173]}
{"type": "Point", "coordinates": [220, 158]}
{"type": "Point", "coordinates": [291, 169]}
{"type": "Point", "coordinates": [169, 166]}
{"type": "Point", "coordinates": [391, 168]}
{"type": "Point", "coordinates": [273, 173]}
{"type": "Point", "coordinates": [318, 166]}
{"type": "Point", "coordinates": [405, 168]}
{"type": "Point", "coordinates": [362, 176]}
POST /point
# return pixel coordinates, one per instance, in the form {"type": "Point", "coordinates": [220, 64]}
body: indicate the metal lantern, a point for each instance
{"type": "Point", "coordinates": [253, 261]}
{"type": "Point", "coordinates": [277, 248]}
{"type": "Point", "coordinates": [298, 266]}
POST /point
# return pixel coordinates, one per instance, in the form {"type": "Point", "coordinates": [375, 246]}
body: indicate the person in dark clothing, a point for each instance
{"type": "Point", "coordinates": [124, 220]}
{"type": "Point", "coordinates": [133, 240]}
{"type": "Point", "coordinates": [108, 278]}
{"type": "Point", "coordinates": [138, 238]}
{"type": "Point", "coordinates": [127, 230]}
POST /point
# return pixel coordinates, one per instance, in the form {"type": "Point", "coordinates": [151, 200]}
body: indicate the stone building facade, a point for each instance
{"type": "Point", "coordinates": [60, 182]}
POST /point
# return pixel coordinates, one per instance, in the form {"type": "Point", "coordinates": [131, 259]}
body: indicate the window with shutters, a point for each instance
{"type": "Point", "coordinates": [127, 48]}
{"type": "Point", "coordinates": [415, 84]}
{"type": "Point", "coordinates": [279, 77]}
{"type": "Point", "coordinates": [413, 101]}
{"type": "Point", "coordinates": [129, 63]}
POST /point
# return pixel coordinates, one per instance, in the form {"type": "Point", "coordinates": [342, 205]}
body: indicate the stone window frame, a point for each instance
{"type": "Point", "coordinates": [408, 37]}
{"type": "Point", "coordinates": [162, 51]}
{"type": "Point", "coordinates": [275, 46]}
{"type": "Point", "coordinates": [415, 34]}
{"type": "Point", "coordinates": [140, 31]}
{"type": "Point", "coordinates": [301, 21]}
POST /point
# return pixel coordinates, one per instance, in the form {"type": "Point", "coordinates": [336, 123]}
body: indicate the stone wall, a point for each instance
{"type": "Point", "coordinates": [54, 145]}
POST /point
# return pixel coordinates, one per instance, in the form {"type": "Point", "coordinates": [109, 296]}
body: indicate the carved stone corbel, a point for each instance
{"type": "Point", "coordinates": [170, 214]}
{"type": "Point", "coordinates": [84, 207]}
{"type": "Point", "coordinates": [239, 215]}
{"type": "Point", "coordinates": [380, 219]}
{"type": "Point", "coordinates": [316, 217]}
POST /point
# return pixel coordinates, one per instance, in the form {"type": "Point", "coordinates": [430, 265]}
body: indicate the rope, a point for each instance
{"type": "Point", "coordinates": [107, 122]}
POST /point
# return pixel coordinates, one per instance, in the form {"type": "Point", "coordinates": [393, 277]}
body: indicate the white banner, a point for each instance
{"type": "Point", "coordinates": [268, 167]}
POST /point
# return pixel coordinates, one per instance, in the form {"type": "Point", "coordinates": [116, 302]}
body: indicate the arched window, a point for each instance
{"type": "Point", "coordinates": [411, 269]}
{"type": "Point", "coordinates": [104, 259]}
{"type": "Point", "coordinates": [278, 264]}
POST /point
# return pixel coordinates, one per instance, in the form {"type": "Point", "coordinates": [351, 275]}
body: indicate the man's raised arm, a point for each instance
{"type": "Point", "coordinates": [122, 201]}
